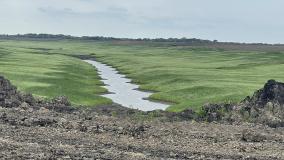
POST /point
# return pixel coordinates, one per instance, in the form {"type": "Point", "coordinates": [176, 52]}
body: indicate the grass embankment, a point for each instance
{"type": "Point", "coordinates": [192, 77]}
{"type": "Point", "coordinates": [45, 73]}
{"type": "Point", "coordinates": [186, 76]}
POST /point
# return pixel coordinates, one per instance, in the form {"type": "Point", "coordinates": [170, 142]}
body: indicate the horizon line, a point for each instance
{"type": "Point", "coordinates": [141, 38]}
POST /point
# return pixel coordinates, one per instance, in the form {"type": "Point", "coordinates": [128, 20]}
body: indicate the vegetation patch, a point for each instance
{"type": "Point", "coordinates": [187, 76]}
{"type": "Point", "coordinates": [52, 75]}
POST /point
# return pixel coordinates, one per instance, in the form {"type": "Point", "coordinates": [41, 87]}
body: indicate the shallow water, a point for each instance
{"type": "Point", "coordinates": [122, 91]}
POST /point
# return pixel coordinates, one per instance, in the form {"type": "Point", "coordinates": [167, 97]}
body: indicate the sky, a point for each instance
{"type": "Point", "coordinates": [223, 20]}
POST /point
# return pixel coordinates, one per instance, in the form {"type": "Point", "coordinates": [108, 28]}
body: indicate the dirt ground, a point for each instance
{"type": "Point", "coordinates": [27, 133]}
{"type": "Point", "coordinates": [36, 129]}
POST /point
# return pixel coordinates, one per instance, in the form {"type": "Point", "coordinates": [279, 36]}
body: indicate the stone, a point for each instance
{"type": "Point", "coordinates": [252, 136]}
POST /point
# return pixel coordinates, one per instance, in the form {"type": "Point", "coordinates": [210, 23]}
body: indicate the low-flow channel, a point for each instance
{"type": "Point", "coordinates": [122, 91]}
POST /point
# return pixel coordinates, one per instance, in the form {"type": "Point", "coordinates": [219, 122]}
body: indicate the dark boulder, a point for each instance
{"type": "Point", "coordinates": [266, 106]}
{"type": "Point", "coordinates": [272, 91]}
{"type": "Point", "coordinates": [9, 96]}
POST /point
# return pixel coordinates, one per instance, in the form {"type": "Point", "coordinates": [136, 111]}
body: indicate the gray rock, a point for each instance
{"type": "Point", "coordinates": [252, 136]}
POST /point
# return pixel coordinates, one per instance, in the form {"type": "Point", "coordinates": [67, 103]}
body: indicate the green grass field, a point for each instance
{"type": "Point", "coordinates": [47, 73]}
{"type": "Point", "coordinates": [185, 76]}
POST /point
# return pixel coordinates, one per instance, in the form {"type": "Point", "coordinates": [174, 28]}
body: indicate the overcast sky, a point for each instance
{"type": "Point", "coordinates": [224, 20]}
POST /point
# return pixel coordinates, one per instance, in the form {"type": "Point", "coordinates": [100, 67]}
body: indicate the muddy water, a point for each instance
{"type": "Point", "coordinates": [122, 91]}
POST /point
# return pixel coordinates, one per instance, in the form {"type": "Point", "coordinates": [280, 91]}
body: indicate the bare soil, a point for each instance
{"type": "Point", "coordinates": [34, 129]}
{"type": "Point", "coordinates": [46, 134]}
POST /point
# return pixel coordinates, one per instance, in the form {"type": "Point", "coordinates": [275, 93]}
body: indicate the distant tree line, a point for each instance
{"type": "Point", "coordinates": [35, 36]}
{"type": "Point", "coordinates": [100, 38]}
{"type": "Point", "coordinates": [186, 41]}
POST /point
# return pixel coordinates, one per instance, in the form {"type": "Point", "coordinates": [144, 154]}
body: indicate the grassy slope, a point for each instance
{"type": "Point", "coordinates": [188, 77]}
{"type": "Point", "coordinates": [43, 73]}
{"type": "Point", "coordinates": [191, 78]}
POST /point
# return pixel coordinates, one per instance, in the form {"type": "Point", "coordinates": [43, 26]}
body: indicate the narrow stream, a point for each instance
{"type": "Point", "coordinates": [122, 91]}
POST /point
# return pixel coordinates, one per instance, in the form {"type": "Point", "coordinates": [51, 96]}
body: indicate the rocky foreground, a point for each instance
{"type": "Point", "coordinates": [37, 129]}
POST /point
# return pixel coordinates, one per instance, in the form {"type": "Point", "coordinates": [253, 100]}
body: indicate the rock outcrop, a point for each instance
{"type": "Point", "coordinates": [272, 92]}
{"type": "Point", "coordinates": [266, 105]}
{"type": "Point", "coordinates": [9, 96]}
